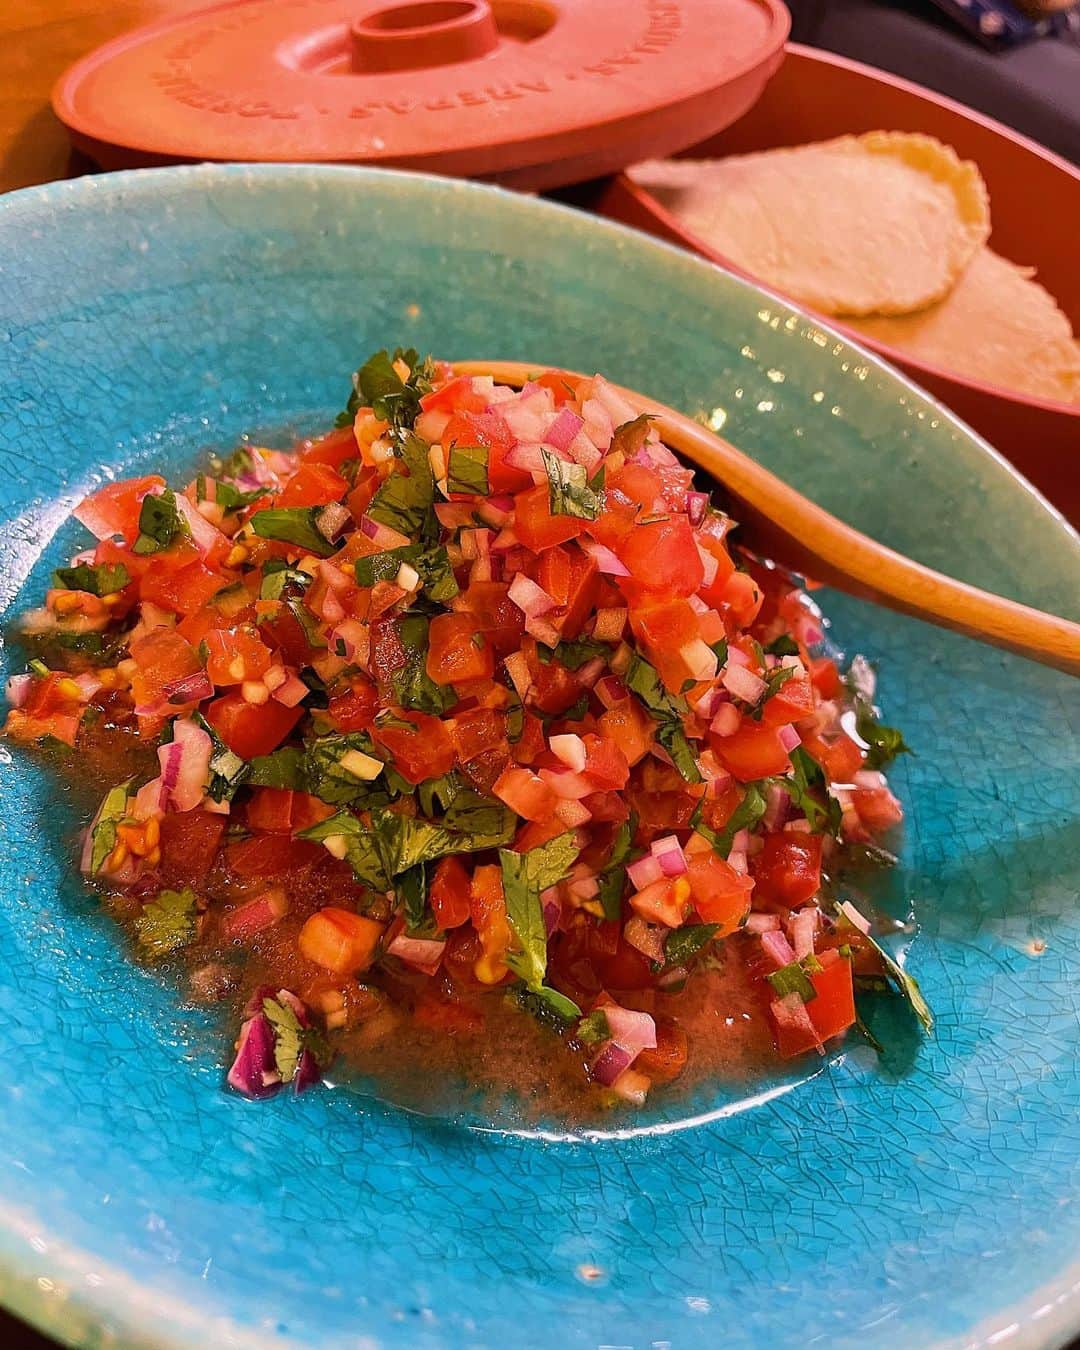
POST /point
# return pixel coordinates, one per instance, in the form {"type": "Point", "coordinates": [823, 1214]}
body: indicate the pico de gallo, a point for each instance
{"type": "Point", "coordinates": [473, 700]}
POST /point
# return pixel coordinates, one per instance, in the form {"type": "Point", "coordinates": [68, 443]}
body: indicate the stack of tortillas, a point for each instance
{"type": "Point", "coordinates": [887, 231]}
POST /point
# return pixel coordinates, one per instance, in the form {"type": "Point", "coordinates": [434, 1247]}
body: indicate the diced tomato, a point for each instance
{"type": "Point", "coordinates": [787, 871]}
{"type": "Point", "coordinates": [456, 651]}
{"type": "Point", "coordinates": [496, 615]}
{"type": "Point", "coordinates": [162, 657]}
{"type": "Point", "coordinates": [666, 901]}
{"type": "Point", "coordinates": [272, 855]}
{"type": "Point", "coordinates": [339, 940]}
{"type": "Point", "coordinates": [826, 677]}
{"type": "Point", "coordinates": [605, 763]}
{"type": "Point", "coordinates": [189, 843]}
{"type": "Point", "coordinates": [793, 701]}
{"type": "Point", "coordinates": [114, 509]}
{"type": "Point", "coordinates": [354, 707]}
{"type": "Point", "coordinates": [795, 1032]}
{"type": "Point", "coordinates": [537, 832]}
{"type": "Point", "coordinates": [283, 810]}
{"type": "Point", "coordinates": [721, 895]}
{"type": "Point", "coordinates": [284, 631]}
{"type": "Point", "coordinates": [487, 906]}
{"type": "Point", "coordinates": [182, 590]}
{"type": "Point", "coordinates": [476, 731]}
{"type": "Point", "coordinates": [572, 579]}
{"type": "Point", "coordinates": [841, 760]}
{"type": "Point", "coordinates": [877, 808]}
{"type": "Point", "coordinates": [753, 752]}
{"type": "Point", "coordinates": [250, 729]}
{"type": "Point", "coordinates": [636, 486]}
{"type": "Point", "coordinates": [536, 527]}
{"type": "Point", "coordinates": [663, 630]}
{"type": "Point", "coordinates": [526, 793]}
{"type": "Point", "coordinates": [555, 688]}
{"type": "Point", "coordinates": [333, 449]}
{"type": "Point", "coordinates": [421, 750]}
{"type": "Point", "coordinates": [630, 727]}
{"type": "Point", "coordinates": [713, 593]}
{"type": "Point", "coordinates": [359, 499]}
{"type": "Point", "coordinates": [833, 1010]}
{"type": "Point", "coordinates": [236, 656]}
{"type": "Point", "coordinates": [626, 969]}
{"type": "Point", "coordinates": [450, 893]}
{"type": "Point", "coordinates": [668, 1059]}
{"type": "Point", "coordinates": [313, 485]}
{"type": "Point", "coordinates": [487, 429]}
{"type": "Point", "coordinates": [742, 599]}
{"type": "Point", "coordinates": [564, 388]}
{"type": "Point", "coordinates": [663, 558]}
{"type": "Point", "coordinates": [456, 395]}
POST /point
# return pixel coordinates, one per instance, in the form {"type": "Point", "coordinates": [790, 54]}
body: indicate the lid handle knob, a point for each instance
{"type": "Point", "coordinates": [422, 34]}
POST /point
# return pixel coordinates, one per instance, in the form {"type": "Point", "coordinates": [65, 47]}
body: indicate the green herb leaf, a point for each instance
{"type": "Point", "coordinates": [413, 686]}
{"type": "Point", "coordinates": [360, 843]}
{"type": "Point", "coordinates": [613, 879]}
{"type": "Point", "coordinates": [412, 889]}
{"type": "Point", "coordinates": [98, 579]}
{"type": "Point", "coordinates": [573, 654]}
{"type": "Point", "coordinates": [906, 984]}
{"type": "Point", "coordinates": [467, 470]}
{"type": "Point", "coordinates": [226, 495]}
{"type": "Point", "coordinates": [291, 1039]}
{"type": "Point", "coordinates": [327, 777]}
{"type": "Point", "coordinates": [103, 835]}
{"type": "Point", "coordinates": [593, 1029]}
{"type": "Point", "coordinates": [792, 979]}
{"type": "Point", "coordinates": [283, 768]}
{"type": "Point", "coordinates": [293, 525]}
{"type": "Point", "coordinates": [547, 1005]}
{"type": "Point", "coordinates": [885, 742]}
{"type": "Point", "coordinates": [629, 437]}
{"type": "Point", "coordinates": [806, 786]}
{"type": "Point", "coordinates": [784, 645]}
{"type": "Point", "coordinates": [167, 922]}
{"type": "Point", "coordinates": [378, 385]}
{"type": "Point", "coordinates": [668, 710]}
{"type": "Point", "coordinates": [433, 565]}
{"type": "Point", "coordinates": [485, 823]}
{"type": "Point", "coordinates": [569, 493]}
{"type": "Point", "coordinates": [228, 771]}
{"type": "Point", "coordinates": [525, 876]}
{"type": "Point", "coordinates": [682, 944]}
{"type": "Point", "coordinates": [308, 623]}
{"type": "Point", "coordinates": [159, 522]}
{"type": "Point", "coordinates": [745, 816]}
{"type": "Point", "coordinates": [280, 580]}
{"type": "Point", "coordinates": [404, 500]}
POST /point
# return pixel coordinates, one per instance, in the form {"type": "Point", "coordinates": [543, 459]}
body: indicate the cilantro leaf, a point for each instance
{"type": "Point", "coordinates": [681, 944]}
{"type": "Point", "coordinates": [885, 742]}
{"type": "Point", "coordinates": [293, 525]}
{"type": "Point", "coordinates": [569, 493]}
{"type": "Point", "coordinates": [99, 579]}
{"type": "Point", "coordinates": [278, 579]}
{"type": "Point", "coordinates": [613, 879]}
{"type": "Point", "coordinates": [906, 984]}
{"type": "Point", "coordinates": [291, 1038]}
{"type": "Point", "coordinates": [103, 833]}
{"type": "Point", "coordinates": [167, 922]}
{"type": "Point", "coordinates": [433, 565]}
{"type": "Point", "coordinates": [784, 645]}
{"type": "Point", "coordinates": [404, 500]}
{"type": "Point", "coordinates": [159, 522]}
{"type": "Point", "coordinates": [775, 680]}
{"type": "Point", "coordinates": [486, 823]}
{"type": "Point", "coordinates": [378, 385]}
{"type": "Point", "coordinates": [467, 470]}
{"type": "Point", "coordinates": [525, 876]}
{"type": "Point", "coordinates": [667, 710]}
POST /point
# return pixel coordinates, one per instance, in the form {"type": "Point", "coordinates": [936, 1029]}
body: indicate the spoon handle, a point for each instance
{"type": "Point", "coordinates": [803, 536]}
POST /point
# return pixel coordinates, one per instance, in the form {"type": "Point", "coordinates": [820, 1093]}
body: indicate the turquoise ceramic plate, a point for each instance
{"type": "Point", "coordinates": [930, 1198]}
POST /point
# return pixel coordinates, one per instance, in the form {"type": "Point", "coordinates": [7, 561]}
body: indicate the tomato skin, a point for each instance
{"type": "Point", "coordinates": [334, 448]}
{"type": "Point", "coordinates": [354, 708]}
{"type": "Point", "coordinates": [877, 808]}
{"type": "Point", "coordinates": [536, 527]}
{"type": "Point", "coordinates": [272, 855]}
{"type": "Point", "coordinates": [457, 395]}
{"type": "Point", "coordinates": [605, 763]}
{"type": "Point", "coordinates": [496, 615]}
{"type": "Point", "coordinates": [787, 871]}
{"type": "Point", "coordinates": [457, 652]}
{"type": "Point", "coordinates": [450, 893]}
{"type": "Point", "coordinates": [663, 629]}
{"type": "Point", "coordinates": [424, 750]}
{"type": "Point", "coordinates": [793, 701]}
{"type": "Point", "coordinates": [742, 599]}
{"type": "Point", "coordinates": [313, 484]}
{"type": "Point", "coordinates": [668, 1059]}
{"type": "Point", "coordinates": [162, 656]}
{"type": "Point", "coordinates": [630, 727]}
{"type": "Point", "coordinates": [189, 843]}
{"type": "Point", "coordinates": [281, 810]}
{"type": "Point", "coordinates": [826, 677]}
{"type": "Point", "coordinates": [249, 729]}
{"type": "Point", "coordinates": [477, 731]}
{"type": "Point", "coordinates": [833, 1010]}
{"type": "Point", "coordinates": [663, 558]}
{"type": "Point", "coordinates": [572, 579]}
{"type": "Point", "coordinates": [114, 509]}
{"type": "Point", "coordinates": [564, 388]}
{"type": "Point", "coordinates": [721, 895]}
{"type": "Point", "coordinates": [753, 752]}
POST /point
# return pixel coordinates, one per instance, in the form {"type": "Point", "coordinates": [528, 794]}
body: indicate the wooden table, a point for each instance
{"type": "Point", "coordinates": [38, 40]}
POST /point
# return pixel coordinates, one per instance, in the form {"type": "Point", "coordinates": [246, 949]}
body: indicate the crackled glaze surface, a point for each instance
{"type": "Point", "coordinates": [930, 1199]}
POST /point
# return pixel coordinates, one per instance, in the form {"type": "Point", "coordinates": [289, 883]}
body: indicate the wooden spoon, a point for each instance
{"type": "Point", "coordinates": [785, 526]}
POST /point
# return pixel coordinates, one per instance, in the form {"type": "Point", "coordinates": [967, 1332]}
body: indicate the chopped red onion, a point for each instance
{"type": "Point", "coordinates": [644, 872]}
{"type": "Point", "coordinates": [854, 917]}
{"type": "Point", "coordinates": [308, 1073]}
{"type": "Point", "coordinates": [668, 853]}
{"type": "Point", "coordinates": [572, 814]}
{"type": "Point", "coordinates": [632, 1087]}
{"type": "Point", "coordinates": [634, 1031]}
{"type": "Point", "coordinates": [18, 689]}
{"type": "Point", "coordinates": [382, 535]}
{"type": "Point", "coordinates": [737, 657]}
{"type": "Point", "coordinates": [803, 927]}
{"type": "Point", "coordinates": [529, 597]}
{"type": "Point", "coordinates": [292, 692]}
{"type": "Point", "coordinates": [711, 565]}
{"type": "Point", "coordinates": [570, 749]}
{"type": "Point", "coordinates": [737, 862]}
{"type": "Point", "coordinates": [777, 948]}
{"type": "Point", "coordinates": [789, 737]}
{"type": "Point", "coordinates": [567, 785]}
{"type": "Point", "coordinates": [591, 671]}
{"type": "Point", "coordinates": [742, 683]}
{"type": "Point", "coordinates": [726, 720]}
{"type": "Point", "coordinates": [255, 916]}
{"type": "Point", "coordinates": [552, 916]}
{"type": "Point", "coordinates": [563, 428]}
{"type": "Point", "coordinates": [700, 660]}
{"type": "Point", "coordinates": [606, 561]}
{"type": "Point", "coordinates": [612, 1061]}
{"type": "Point", "coordinates": [189, 689]}
{"type": "Point", "coordinates": [207, 538]}
{"type": "Point", "coordinates": [758, 923]}
{"type": "Point", "coordinates": [254, 1072]}
{"type": "Point", "coordinates": [529, 457]}
{"type": "Point", "coordinates": [790, 1011]}
{"type": "Point", "coordinates": [777, 805]}
{"type": "Point", "coordinates": [332, 519]}
{"type": "Point", "coordinates": [697, 504]}
{"type": "Point", "coordinates": [543, 631]}
{"type": "Point", "coordinates": [425, 954]}
{"type": "Point", "coordinates": [610, 690]}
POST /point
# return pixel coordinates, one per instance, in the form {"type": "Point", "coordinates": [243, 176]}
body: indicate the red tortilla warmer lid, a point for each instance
{"type": "Point", "coordinates": [530, 93]}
